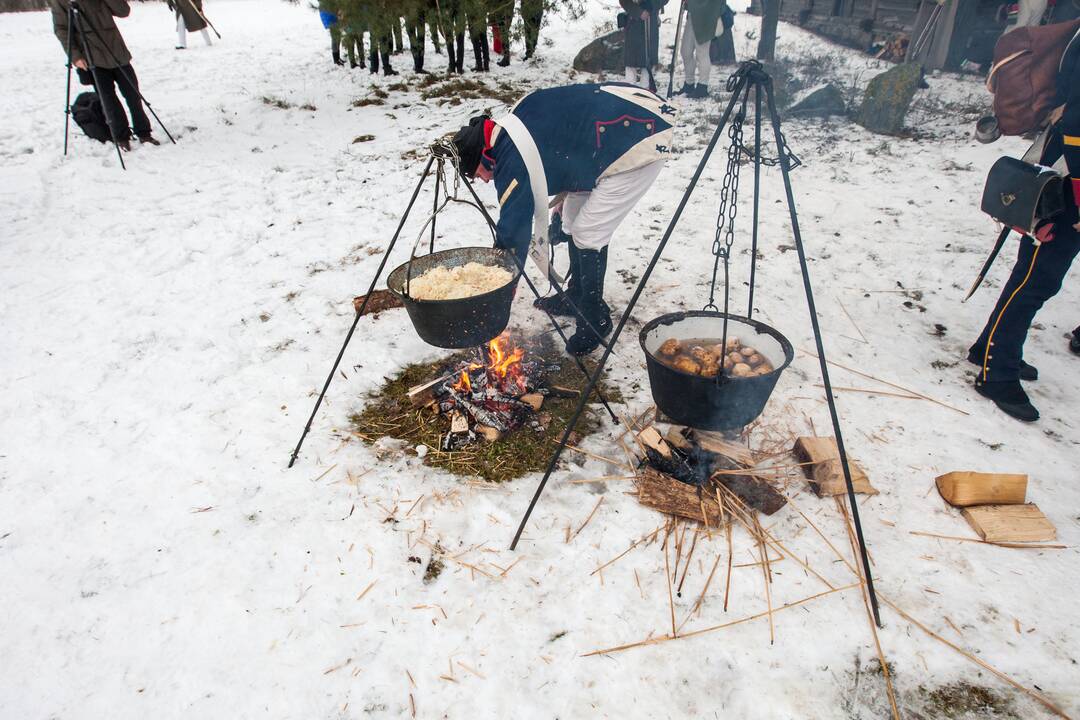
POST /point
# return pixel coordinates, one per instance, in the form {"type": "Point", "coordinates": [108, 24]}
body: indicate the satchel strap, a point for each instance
{"type": "Point", "coordinates": [1000, 64]}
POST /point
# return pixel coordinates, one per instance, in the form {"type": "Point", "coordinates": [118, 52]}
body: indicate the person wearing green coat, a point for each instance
{"type": "Point", "coordinates": [476, 21]}
{"type": "Point", "coordinates": [532, 17]}
{"type": "Point", "coordinates": [703, 16]}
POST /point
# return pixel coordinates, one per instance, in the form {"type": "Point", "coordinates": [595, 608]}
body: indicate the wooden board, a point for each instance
{"type": "Point", "coordinates": [717, 444]}
{"type": "Point", "coordinates": [1010, 523]}
{"type": "Point", "coordinates": [826, 475]}
{"type": "Point", "coordinates": [424, 393]}
{"type": "Point", "coordinates": [962, 489]}
{"type": "Point", "coordinates": [754, 492]}
{"type": "Point", "coordinates": [670, 496]}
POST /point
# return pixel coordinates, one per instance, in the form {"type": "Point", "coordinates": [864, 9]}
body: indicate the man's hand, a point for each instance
{"type": "Point", "coordinates": [644, 14]}
{"type": "Point", "coordinates": [80, 63]}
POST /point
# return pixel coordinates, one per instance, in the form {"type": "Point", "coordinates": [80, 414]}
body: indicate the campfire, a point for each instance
{"type": "Point", "coordinates": [498, 393]}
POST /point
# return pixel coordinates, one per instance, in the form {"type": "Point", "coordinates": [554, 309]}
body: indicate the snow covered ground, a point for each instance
{"type": "Point", "coordinates": [167, 328]}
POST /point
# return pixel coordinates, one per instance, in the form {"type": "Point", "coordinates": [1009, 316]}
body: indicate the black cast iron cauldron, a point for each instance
{"type": "Point", "coordinates": [724, 403]}
{"type": "Point", "coordinates": [465, 322]}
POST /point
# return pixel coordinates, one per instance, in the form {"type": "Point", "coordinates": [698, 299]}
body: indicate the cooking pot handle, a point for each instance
{"type": "Point", "coordinates": [419, 237]}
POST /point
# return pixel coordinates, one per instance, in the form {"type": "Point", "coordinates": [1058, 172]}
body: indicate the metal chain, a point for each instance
{"type": "Point", "coordinates": [729, 206]}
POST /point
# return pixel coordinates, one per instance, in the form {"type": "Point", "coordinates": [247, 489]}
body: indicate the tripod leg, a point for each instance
{"type": "Point", "coordinates": [781, 151]}
{"type": "Point", "coordinates": [536, 292]}
{"type": "Point", "coordinates": [67, 94]}
{"type": "Point", "coordinates": [75, 18]}
{"type": "Point", "coordinates": [740, 87]}
{"type": "Point", "coordinates": [129, 80]}
{"type": "Point", "coordinates": [360, 311]}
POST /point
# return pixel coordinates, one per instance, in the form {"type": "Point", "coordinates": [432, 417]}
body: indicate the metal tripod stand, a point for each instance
{"type": "Point", "coordinates": [79, 24]}
{"type": "Point", "coordinates": [750, 76]}
{"type": "Point", "coordinates": [442, 155]}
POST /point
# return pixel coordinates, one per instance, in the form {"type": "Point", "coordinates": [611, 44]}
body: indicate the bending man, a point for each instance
{"type": "Point", "coordinates": [601, 144]}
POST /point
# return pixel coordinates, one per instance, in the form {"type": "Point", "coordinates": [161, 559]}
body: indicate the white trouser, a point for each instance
{"type": "Point", "coordinates": [695, 57]}
{"type": "Point", "coordinates": [591, 217]}
{"type": "Point", "coordinates": [1029, 13]}
{"type": "Point", "coordinates": [181, 33]}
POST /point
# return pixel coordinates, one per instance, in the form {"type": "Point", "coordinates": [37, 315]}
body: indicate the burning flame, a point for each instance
{"type": "Point", "coordinates": [504, 363]}
{"type": "Point", "coordinates": [464, 384]}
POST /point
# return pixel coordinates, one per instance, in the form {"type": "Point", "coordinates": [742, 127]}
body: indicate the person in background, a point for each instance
{"type": "Point", "coordinates": [380, 21]}
{"type": "Point", "coordinates": [700, 29]}
{"type": "Point", "coordinates": [189, 17]}
{"type": "Point", "coordinates": [328, 14]}
{"type": "Point", "coordinates": [109, 66]}
{"type": "Point", "coordinates": [477, 21]}
{"type": "Point", "coordinates": [603, 144]}
{"type": "Point", "coordinates": [1041, 265]}
{"type": "Point", "coordinates": [642, 43]}
{"type": "Point", "coordinates": [452, 25]}
{"type": "Point", "coordinates": [352, 36]}
{"type": "Point", "coordinates": [502, 16]}
{"type": "Point", "coordinates": [416, 29]}
{"type": "Point", "coordinates": [532, 17]}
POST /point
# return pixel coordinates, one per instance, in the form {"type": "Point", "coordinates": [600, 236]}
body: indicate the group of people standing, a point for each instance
{"type": "Point", "coordinates": [447, 21]}
{"type": "Point", "coordinates": [706, 21]}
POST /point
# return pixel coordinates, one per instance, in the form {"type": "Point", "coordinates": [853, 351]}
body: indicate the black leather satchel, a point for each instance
{"type": "Point", "coordinates": [1022, 195]}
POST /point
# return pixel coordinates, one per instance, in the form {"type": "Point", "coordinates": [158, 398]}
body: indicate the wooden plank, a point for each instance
{"type": "Point", "coordinates": [670, 496]}
{"type": "Point", "coordinates": [1010, 523]}
{"type": "Point", "coordinates": [753, 491]}
{"type": "Point", "coordinates": [826, 475]}
{"type": "Point", "coordinates": [424, 393]}
{"type": "Point", "coordinates": [715, 443]}
{"type": "Point", "coordinates": [963, 488]}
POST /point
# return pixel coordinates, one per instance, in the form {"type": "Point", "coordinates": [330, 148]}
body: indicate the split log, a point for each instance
{"type": "Point", "coordinates": [557, 391]}
{"type": "Point", "coordinates": [676, 438]}
{"type": "Point", "coordinates": [826, 475]}
{"type": "Point", "coordinates": [424, 394]}
{"type": "Point", "coordinates": [533, 400]}
{"type": "Point", "coordinates": [754, 492]}
{"type": "Point", "coordinates": [380, 300]}
{"type": "Point", "coordinates": [962, 489]}
{"type": "Point", "coordinates": [717, 444]}
{"type": "Point", "coordinates": [650, 437]}
{"type": "Point", "coordinates": [489, 434]}
{"type": "Point", "coordinates": [1010, 523]}
{"type": "Point", "coordinates": [670, 496]}
{"type": "Point", "coordinates": [459, 423]}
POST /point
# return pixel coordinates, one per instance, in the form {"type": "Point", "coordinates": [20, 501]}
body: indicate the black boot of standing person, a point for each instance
{"type": "Point", "coordinates": [564, 304]}
{"type": "Point", "coordinates": [477, 24]}
{"type": "Point", "coordinates": [594, 322]}
{"type": "Point", "coordinates": [1074, 342]}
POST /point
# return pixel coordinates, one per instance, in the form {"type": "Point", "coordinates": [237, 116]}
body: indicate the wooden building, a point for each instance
{"type": "Point", "coordinates": [959, 30]}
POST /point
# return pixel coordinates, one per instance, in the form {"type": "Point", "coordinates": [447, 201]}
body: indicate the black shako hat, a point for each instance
{"type": "Point", "coordinates": [469, 143]}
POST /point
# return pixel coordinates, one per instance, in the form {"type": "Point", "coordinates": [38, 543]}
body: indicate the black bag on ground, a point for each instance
{"type": "Point", "coordinates": [90, 116]}
{"type": "Point", "coordinates": [1022, 195]}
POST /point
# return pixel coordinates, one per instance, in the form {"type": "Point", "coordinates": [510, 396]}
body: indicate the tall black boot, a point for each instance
{"type": "Point", "coordinates": [595, 314]}
{"type": "Point", "coordinates": [561, 304]}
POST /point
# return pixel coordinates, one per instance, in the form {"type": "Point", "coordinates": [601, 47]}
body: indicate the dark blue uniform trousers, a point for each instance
{"type": "Point", "coordinates": [1036, 277]}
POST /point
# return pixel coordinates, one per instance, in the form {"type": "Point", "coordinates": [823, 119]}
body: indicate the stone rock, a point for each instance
{"type": "Point", "coordinates": [888, 97]}
{"type": "Point", "coordinates": [825, 101]}
{"type": "Point", "coordinates": [604, 54]}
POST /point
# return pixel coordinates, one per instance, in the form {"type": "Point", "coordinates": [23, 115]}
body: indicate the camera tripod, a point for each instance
{"type": "Point", "coordinates": [78, 25]}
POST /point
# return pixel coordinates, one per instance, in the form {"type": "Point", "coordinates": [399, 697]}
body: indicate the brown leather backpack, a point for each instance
{"type": "Point", "coordinates": [1024, 75]}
